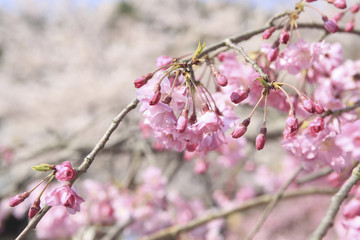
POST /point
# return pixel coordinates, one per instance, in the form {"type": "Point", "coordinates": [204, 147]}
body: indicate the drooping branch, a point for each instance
{"type": "Point", "coordinates": [272, 203]}
{"type": "Point", "coordinates": [101, 144]}
{"type": "Point", "coordinates": [335, 204]}
{"type": "Point", "coordinates": [85, 164]}
{"type": "Point", "coordinates": [173, 231]}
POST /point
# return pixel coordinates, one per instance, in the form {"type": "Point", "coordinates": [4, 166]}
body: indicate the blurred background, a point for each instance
{"type": "Point", "coordinates": [67, 68]}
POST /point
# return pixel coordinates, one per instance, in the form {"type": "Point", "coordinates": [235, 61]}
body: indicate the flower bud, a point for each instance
{"type": "Point", "coordinates": [319, 109]}
{"type": "Point", "coordinates": [349, 26]}
{"type": "Point", "coordinates": [182, 121]}
{"type": "Point", "coordinates": [272, 54]}
{"type": "Point", "coordinates": [284, 37]}
{"type": "Point", "coordinates": [35, 208]}
{"type": "Point", "coordinates": [167, 99]}
{"type": "Point", "coordinates": [142, 80]}
{"type": "Point", "coordinates": [193, 118]}
{"type": "Point", "coordinates": [337, 17]}
{"type": "Point", "coordinates": [307, 104]}
{"type": "Point", "coordinates": [241, 129]}
{"type": "Point", "coordinates": [268, 32]}
{"type": "Point", "coordinates": [157, 95]}
{"type": "Point", "coordinates": [220, 79]}
{"type": "Point", "coordinates": [261, 139]}
{"type": "Point", "coordinates": [292, 124]}
{"type": "Point", "coordinates": [239, 95]}
{"type": "Point", "coordinates": [330, 25]}
{"type": "Point", "coordinates": [14, 201]}
{"type": "Point", "coordinates": [354, 8]}
{"type": "Point", "coordinates": [340, 4]}
{"type": "Point", "coordinates": [311, 0]}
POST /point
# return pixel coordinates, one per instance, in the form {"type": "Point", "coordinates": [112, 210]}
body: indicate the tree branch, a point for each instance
{"type": "Point", "coordinates": [272, 203]}
{"type": "Point", "coordinates": [85, 164]}
{"type": "Point", "coordinates": [335, 204]}
{"type": "Point", "coordinates": [258, 201]}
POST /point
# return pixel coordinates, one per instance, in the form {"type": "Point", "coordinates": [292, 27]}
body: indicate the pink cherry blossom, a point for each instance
{"type": "Point", "coordinates": [298, 56]}
{"type": "Point", "coordinates": [316, 126]}
{"type": "Point", "coordinates": [65, 196]}
{"type": "Point", "coordinates": [64, 172]}
{"type": "Point", "coordinates": [209, 122]}
{"type": "Point", "coordinates": [163, 61]}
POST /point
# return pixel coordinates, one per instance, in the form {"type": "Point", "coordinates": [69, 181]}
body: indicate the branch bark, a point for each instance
{"type": "Point", "coordinates": [85, 164]}
{"type": "Point", "coordinates": [335, 203]}
{"type": "Point", "coordinates": [173, 231]}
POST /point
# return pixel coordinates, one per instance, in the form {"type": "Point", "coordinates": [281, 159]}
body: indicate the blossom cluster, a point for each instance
{"type": "Point", "coordinates": [63, 195]}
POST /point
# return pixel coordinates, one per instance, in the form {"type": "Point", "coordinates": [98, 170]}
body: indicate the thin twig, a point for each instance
{"type": "Point", "coordinates": [117, 229]}
{"type": "Point", "coordinates": [85, 164]}
{"type": "Point", "coordinates": [341, 110]}
{"type": "Point", "coordinates": [173, 231]}
{"type": "Point", "coordinates": [315, 175]}
{"type": "Point", "coordinates": [335, 203]}
{"type": "Point", "coordinates": [255, 66]}
{"type": "Point", "coordinates": [272, 203]}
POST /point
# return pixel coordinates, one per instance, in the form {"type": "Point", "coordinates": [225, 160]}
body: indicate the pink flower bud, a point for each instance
{"type": "Point", "coordinates": [14, 201]}
{"type": "Point", "coordinates": [221, 56]}
{"type": "Point", "coordinates": [340, 4]}
{"type": "Point", "coordinates": [141, 81]}
{"type": "Point", "coordinates": [193, 118]}
{"type": "Point", "coordinates": [330, 25]}
{"type": "Point", "coordinates": [239, 95]}
{"type": "Point", "coordinates": [319, 109]}
{"type": "Point", "coordinates": [182, 121]}
{"type": "Point", "coordinates": [167, 99]}
{"type": "Point", "coordinates": [311, 0]}
{"type": "Point", "coordinates": [307, 104]}
{"type": "Point", "coordinates": [157, 95]}
{"type": "Point", "coordinates": [261, 139]}
{"type": "Point", "coordinates": [201, 166]}
{"type": "Point", "coordinates": [65, 196]}
{"type": "Point", "coordinates": [349, 26]}
{"type": "Point", "coordinates": [272, 54]}
{"type": "Point", "coordinates": [35, 208]}
{"type": "Point", "coordinates": [292, 125]}
{"type": "Point", "coordinates": [268, 32]}
{"type": "Point", "coordinates": [220, 79]}
{"type": "Point", "coordinates": [241, 129]}
{"type": "Point", "coordinates": [64, 172]}
{"type": "Point", "coordinates": [354, 8]}
{"type": "Point", "coordinates": [284, 37]}
{"type": "Point", "coordinates": [337, 17]}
